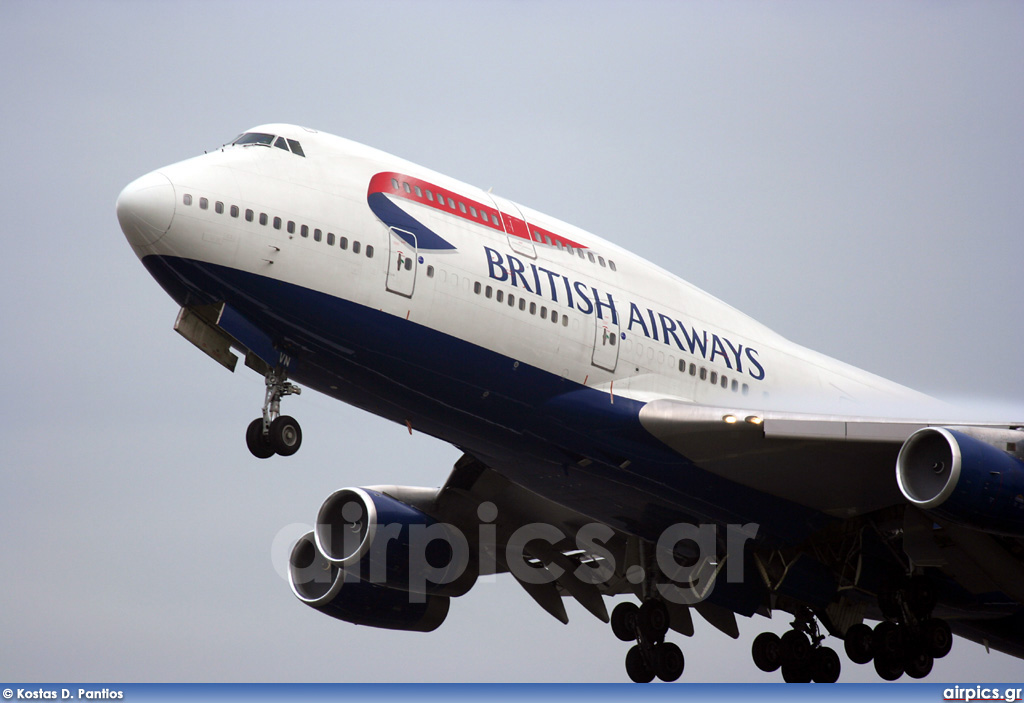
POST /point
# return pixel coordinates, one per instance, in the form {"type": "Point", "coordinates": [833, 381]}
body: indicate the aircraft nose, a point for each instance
{"type": "Point", "coordinates": [145, 208]}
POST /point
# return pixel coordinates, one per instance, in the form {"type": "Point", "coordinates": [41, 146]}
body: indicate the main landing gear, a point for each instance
{"type": "Point", "coordinates": [909, 640]}
{"type": "Point", "coordinates": [798, 653]}
{"type": "Point", "coordinates": [651, 655]}
{"type": "Point", "coordinates": [274, 433]}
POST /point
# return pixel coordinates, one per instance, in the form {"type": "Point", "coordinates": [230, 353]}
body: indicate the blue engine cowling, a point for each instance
{"type": "Point", "coordinates": [385, 542]}
{"type": "Point", "coordinates": [324, 586]}
{"type": "Point", "coordinates": [963, 479]}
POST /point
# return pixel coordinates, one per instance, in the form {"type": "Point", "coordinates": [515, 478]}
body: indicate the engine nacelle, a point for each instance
{"type": "Point", "coordinates": [963, 479]}
{"type": "Point", "coordinates": [323, 585]}
{"type": "Point", "coordinates": [385, 542]}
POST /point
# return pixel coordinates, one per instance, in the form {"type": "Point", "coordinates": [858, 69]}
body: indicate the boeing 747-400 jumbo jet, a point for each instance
{"type": "Point", "coordinates": [622, 431]}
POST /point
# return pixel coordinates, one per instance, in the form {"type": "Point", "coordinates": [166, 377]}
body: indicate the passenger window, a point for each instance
{"type": "Point", "coordinates": [280, 143]}
{"type": "Point", "coordinates": [682, 366]}
{"type": "Point", "coordinates": [394, 183]}
{"type": "Point", "coordinates": [472, 211]}
{"type": "Point", "coordinates": [419, 193]}
{"type": "Point", "coordinates": [263, 218]}
{"type": "Point", "coordinates": [187, 200]}
{"type": "Point", "coordinates": [369, 255]}
{"type": "Point", "coordinates": [249, 214]}
{"type": "Point", "coordinates": [330, 238]}
{"type": "Point", "coordinates": [296, 147]}
{"type": "Point", "coordinates": [234, 211]}
{"type": "Point", "coordinates": [554, 317]}
{"type": "Point", "coordinates": [406, 188]}
{"type": "Point", "coordinates": [693, 369]}
{"type": "Point", "coordinates": [462, 207]}
{"type": "Point", "coordinates": [430, 196]}
{"type": "Point", "coordinates": [408, 259]}
{"type": "Point", "coordinates": [703, 374]}
{"type": "Point", "coordinates": [218, 207]}
{"type": "Point", "coordinates": [277, 223]}
{"type": "Point", "coordinates": [611, 265]}
{"type": "Point", "coordinates": [304, 230]}
{"type": "Point", "coordinates": [430, 271]}
{"type": "Point", "coordinates": [725, 382]}
{"type": "Point", "coordinates": [600, 260]}
{"type": "Point", "coordinates": [317, 235]}
{"type": "Point", "coordinates": [522, 304]}
{"type": "Point", "coordinates": [533, 308]}
{"type": "Point", "coordinates": [494, 219]}
{"type": "Point", "coordinates": [291, 227]}
{"type": "Point", "coordinates": [488, 292]}
{"type": "Point", "coordinates": [565, 320]}
{"type": "Point", "coordinates": [476, 287]}
{"type": "Point", "coordinates": [204, 204]}
{"type": "Point", "coordinates": [580, 252]}
{"type": "Point", "coordinates": [343, 242]}
{"type": "Point", "coordinates": [590, 255]}
{"type": "Point", "coordinates": [451, 203]}
{"type": "Point", "coordinates": [714, 377]}
{"type": "Point", "coordinates": [499, 295]}
{"type": "Point", "coordinates": [511, 300]}
{"type": "Point", "coordinates": [746, 389]}
{"type": "Point", "coordinates": [355, 247]}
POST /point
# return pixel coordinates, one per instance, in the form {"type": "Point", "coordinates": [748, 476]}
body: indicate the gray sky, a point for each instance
{"type": "Point", "coordinates": [849, 173]}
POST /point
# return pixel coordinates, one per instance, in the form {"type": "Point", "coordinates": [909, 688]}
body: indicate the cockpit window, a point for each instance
{"type": "Point", "coordinates": [270, 140]}
{"type": "Point", "coordinates": [255, 138]}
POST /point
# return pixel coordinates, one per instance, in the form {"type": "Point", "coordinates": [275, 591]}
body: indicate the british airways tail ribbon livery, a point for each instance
{"type": "Point", "coordinates": [623, 433]}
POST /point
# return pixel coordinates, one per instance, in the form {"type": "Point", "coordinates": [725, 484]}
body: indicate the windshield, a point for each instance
{"type": "Point", "coordinates": [254, 138]}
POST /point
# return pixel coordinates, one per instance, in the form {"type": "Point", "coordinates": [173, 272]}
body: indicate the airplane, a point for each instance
{"type": "Point", "coordinates": [622, 432]}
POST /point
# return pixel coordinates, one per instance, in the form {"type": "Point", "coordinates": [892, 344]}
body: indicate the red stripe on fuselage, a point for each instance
{"type": "Point", "coordinates": [449, 202]}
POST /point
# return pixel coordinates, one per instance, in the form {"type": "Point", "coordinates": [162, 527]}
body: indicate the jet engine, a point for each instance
{"type": "Point", "coordinates": [387, 542]}
{"type": "Point", "coordinates": [963, 479]}
{"type": "Point", "coordinates": [323, 585]}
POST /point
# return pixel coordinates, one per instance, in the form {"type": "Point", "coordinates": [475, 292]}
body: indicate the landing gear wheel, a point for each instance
{"type": "Point", "coordinates": [653, 619]}
{"type": "Point", "coordinates": [858, 643]}
{"type": "Point", "coordinates": [668, 661]}
{"type": "Point", "coordinates": [624, 621]}
{"type": "Point", "coordinates": [767, 652]}
{"type": "Point", "coordinates": [258, 443]}
{"type": "Point", "coordinates": [636, 666]}
{"type": "Point", "coordinates": [796, 673]}
{"type": "Point", "coordinates": [918, 665]}
{"type": "Point", "coordinates": [936, 637]}
{"type": "Point", "coordinates": [285, 435]}
{"type": "Point", "coordinates": [796, 650]}
{"type": "Point", "coordinates": [826, 665]}
{"type": "Point", "coordinates": [888, 669]}
{"type": "Point", "coordinates": [887, 641]}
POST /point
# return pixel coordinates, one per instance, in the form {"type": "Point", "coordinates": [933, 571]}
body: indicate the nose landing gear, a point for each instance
{"type": "Point", "coordinates": [274, 433]}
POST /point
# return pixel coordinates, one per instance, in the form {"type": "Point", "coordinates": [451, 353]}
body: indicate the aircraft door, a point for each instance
{"type": "Point", "coordinates": [402, 262]}
{"type": "Point", "coordinates": [516, 228]}
{"type": "Point", "coordinates": [606, 344]}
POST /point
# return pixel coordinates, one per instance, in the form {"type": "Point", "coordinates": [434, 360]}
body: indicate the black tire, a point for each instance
{"type": "Point", "coordinates": [796, 673]}
{"type": "Point", "coordinates": [637, 667]}
{"type": "Point", "coordinates": [668, 661]}
{"type": "Point", "coordinates": [936, 637]}
{"type": "Point", "coordinates": [653, 619]}
{"type": "Point", "coordinates": [767, 652]}
{"type": "Point", "coordinates": [827, 666]}
{"type": "Point", "coordinates": [887, 641]}
{"type": "Point", "coordinates": [888, 669]}
{"type": "Point", "coordinates": [624, 621]}
{"type": "Point", "coordinates": [918, 665]}
{"type": "Point", "coordinates": [258, 443]}
{"type": "Point", "coordinates": [285, 435]}
{"type": "Point", "coordinates": [858, 643]}
{"type": "Point", "coordinates": [796, 649]}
